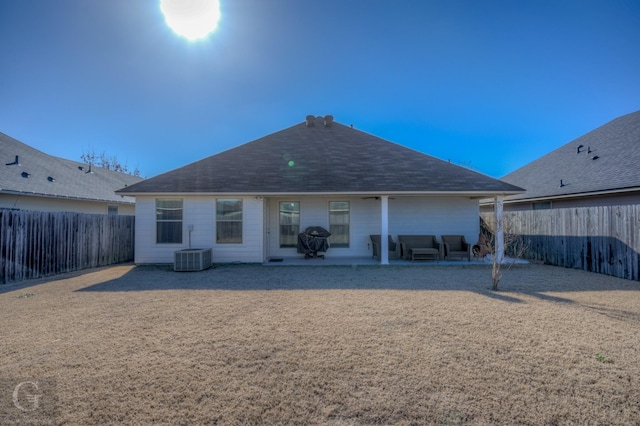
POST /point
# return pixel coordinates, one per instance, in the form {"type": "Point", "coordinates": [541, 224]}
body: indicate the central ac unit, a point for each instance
{"type": "Point", "coordinates": [192, 260]}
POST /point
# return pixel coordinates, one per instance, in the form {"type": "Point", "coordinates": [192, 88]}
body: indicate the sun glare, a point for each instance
{"type": "Point", "coordinates": [192, 19]}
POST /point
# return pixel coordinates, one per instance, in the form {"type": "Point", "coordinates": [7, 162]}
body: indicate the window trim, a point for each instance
{"type": "Point", "coordinates": [181, 221]}
{"type": "Point", "coordinates": [241, 220]}
{"type": "Point", "coordinates": [280, 225]}
{"type": "Point", "coordinates": [348, 225]}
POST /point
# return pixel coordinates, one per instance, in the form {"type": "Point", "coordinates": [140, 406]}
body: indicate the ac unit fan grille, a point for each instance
{"type": "Point", "coordinates": [192, 260]}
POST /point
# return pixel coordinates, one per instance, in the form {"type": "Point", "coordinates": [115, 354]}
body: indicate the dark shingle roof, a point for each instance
{"type": "Point", "coordinates": [608, 160]}
{"type": "Point", "coordinates": [320, 159]}
{"type": "Point", "coordinates": [45, 175]}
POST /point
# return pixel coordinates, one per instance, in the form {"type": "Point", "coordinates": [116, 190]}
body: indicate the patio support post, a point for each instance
{"type": "Point", "coordinates": [384, 230]}
{"type": "Point", "coordinates": [499, 214]}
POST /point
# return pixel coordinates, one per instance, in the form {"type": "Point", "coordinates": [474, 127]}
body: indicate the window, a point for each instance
{"type": "Point", "coordinates": [542, 205]}
{"type": "Point", "coordinates": [228, 220]}
{"type": "Point", "coordinates": [112, 210]}
{"type": "Point", "coordinates": [289, 223]}
{"type": "Point", "coordinates": [168, 221]}
{"type": "Point", "coordinates": [339, 223]}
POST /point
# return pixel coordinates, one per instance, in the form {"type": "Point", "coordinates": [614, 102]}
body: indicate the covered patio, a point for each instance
{"type": "Point", "coordinates": [372, 261]}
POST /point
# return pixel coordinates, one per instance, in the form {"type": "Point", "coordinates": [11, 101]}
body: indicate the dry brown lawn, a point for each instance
{"type": "Point", "coordinates": [247, 344]}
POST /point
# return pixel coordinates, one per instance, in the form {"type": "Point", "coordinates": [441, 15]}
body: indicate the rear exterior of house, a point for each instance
{"type": "Point", "coordinates": [250, 203]}
{"type": "Point", "coordinates": [600, 168]}
{"type": "Point", "coordinates": [33, 180]}
{"type": "Point", "coordinates": [581, 206]}
{"type": "Point", "coordinates": [269, 226]}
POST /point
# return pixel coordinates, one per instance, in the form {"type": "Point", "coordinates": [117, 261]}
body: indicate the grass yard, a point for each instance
{"type": "Point", "coordinates": [247, 344]}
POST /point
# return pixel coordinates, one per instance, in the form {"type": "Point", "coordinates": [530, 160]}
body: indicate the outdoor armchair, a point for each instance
{"type": "Point", "coordinates": [456, 246]}
{"type": "Point", "coordinates": [420, 247]}
{"type": "Point", "coordinates": [377, 243]}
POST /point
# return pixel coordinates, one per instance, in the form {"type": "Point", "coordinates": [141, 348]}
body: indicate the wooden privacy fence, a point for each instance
{"type": "Point", "coordinates": [37, 244]}
{"type": "Point", "coordinates": [603, 239]}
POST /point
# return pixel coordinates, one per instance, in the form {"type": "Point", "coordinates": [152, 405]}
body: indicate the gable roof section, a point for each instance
{"type": "Point", "coordinates": [320, 159]}
{"type": "Point", "coordinates": [608, 161]}
{"type": "Point", "coordinates": [40, 174]}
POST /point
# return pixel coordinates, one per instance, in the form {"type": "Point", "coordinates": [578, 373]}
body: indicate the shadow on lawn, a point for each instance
{"type": "Point", "coordinates": [534, 280]}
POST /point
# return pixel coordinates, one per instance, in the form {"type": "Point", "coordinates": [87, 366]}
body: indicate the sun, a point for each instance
{"type": "Point", "coordinates": [192, 19]}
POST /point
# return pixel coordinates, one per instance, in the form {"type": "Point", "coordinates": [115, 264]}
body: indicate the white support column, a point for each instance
{"type": "Point", "coordinates": [384, 230]}
{"type": "Point", "coordinates": [499, 236]}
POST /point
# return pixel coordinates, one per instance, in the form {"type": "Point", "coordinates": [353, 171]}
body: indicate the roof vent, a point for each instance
{"type": "Point", "coordinates": [15, 163]}
{"type": "Point", "coordinates": [81, 168]}
{"type": "Point", "coordinates": [50, 179]}
{"type": "Point", "coordinates": [328, 120]}
{"type": "Point", "coordinates": [580, 148]}
{"type": "Point", "coordinates": [311, 120]}
{"type": "Point", "coordinates": [89, 171]}
{"type": "Point", "coordinates": [26, 175]}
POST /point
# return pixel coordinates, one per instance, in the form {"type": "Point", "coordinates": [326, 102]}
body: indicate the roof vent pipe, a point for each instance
{"type": "Point", "coordinates": [328, 120]}
{"type": "Point", "coordinates": [311, 120]}
{"type": "Point", "coordinates": [15, 163]}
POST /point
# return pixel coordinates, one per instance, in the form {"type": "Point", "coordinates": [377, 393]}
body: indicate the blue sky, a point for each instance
{"type": "Point", "coordinates": [490, 85]}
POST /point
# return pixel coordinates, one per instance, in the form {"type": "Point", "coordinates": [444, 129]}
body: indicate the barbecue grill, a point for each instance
{"type": "Point", "coordinates": [313, 241]}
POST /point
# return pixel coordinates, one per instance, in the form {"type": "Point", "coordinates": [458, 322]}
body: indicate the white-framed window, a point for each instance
{"type": "Point", "coordinates": [169, 221]}
{"type": "Point", "coordinates": [339, 223]}
{"type": "Point", "coordinates": [228, 221]}
{"type": "Point", "coordinates": [289, 223]}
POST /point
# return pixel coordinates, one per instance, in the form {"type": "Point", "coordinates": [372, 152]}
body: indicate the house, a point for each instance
{"type": "Point", "coordinates": [600, 168]}
{"type": "Point", "coordinates": [250, 203]}
{"type": "Point", "coordinates": [33, 180]}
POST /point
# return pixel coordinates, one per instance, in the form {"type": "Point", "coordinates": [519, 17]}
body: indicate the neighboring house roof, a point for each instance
{"type": "Point", "coordinates": [605, 160]}
{"type": "Point", "coordinates": [38, 174]}
{"type": "Point", "coordinates": [314, 158]}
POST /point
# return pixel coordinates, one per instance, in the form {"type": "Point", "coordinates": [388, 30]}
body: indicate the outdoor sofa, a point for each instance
{"type": "Point", "coordinates": [420, 247]}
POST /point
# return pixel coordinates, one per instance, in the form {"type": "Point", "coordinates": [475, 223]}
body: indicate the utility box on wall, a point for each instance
{"type": "Point", "coordinates": [189, 260]}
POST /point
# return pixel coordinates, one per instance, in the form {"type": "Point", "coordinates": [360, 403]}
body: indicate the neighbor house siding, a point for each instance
{"type": "Point", "coordinates": [199, 212]}
{"type": "Point", "coordinates": [51, 204]}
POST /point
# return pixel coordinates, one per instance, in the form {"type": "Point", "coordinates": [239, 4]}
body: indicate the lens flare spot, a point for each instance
{"type": "Point", "coordinates": [291, 163]}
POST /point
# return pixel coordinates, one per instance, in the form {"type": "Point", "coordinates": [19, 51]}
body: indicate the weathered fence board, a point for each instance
{"type": "Point", "coordinates": [603, 239]}
{"type": "Point", "coordinates": [37, 244]}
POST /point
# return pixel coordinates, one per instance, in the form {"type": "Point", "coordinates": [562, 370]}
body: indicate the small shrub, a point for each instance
{"type": "Point", "coordinates": [603, 359]}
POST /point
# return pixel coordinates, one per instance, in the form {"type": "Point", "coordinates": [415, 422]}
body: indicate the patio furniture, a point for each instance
{"type": "Point", "coordinates": [456, 246]}
{"type": "Point", "coordinates": [376, 243]}
{"type": "Point", "coordinates": [420, 247]}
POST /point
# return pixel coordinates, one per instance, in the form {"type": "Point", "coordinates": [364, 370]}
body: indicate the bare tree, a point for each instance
{"type": "Point", "coordinates": [514, 247]}
{"type": "Point", "coordinates": [107, 162]}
